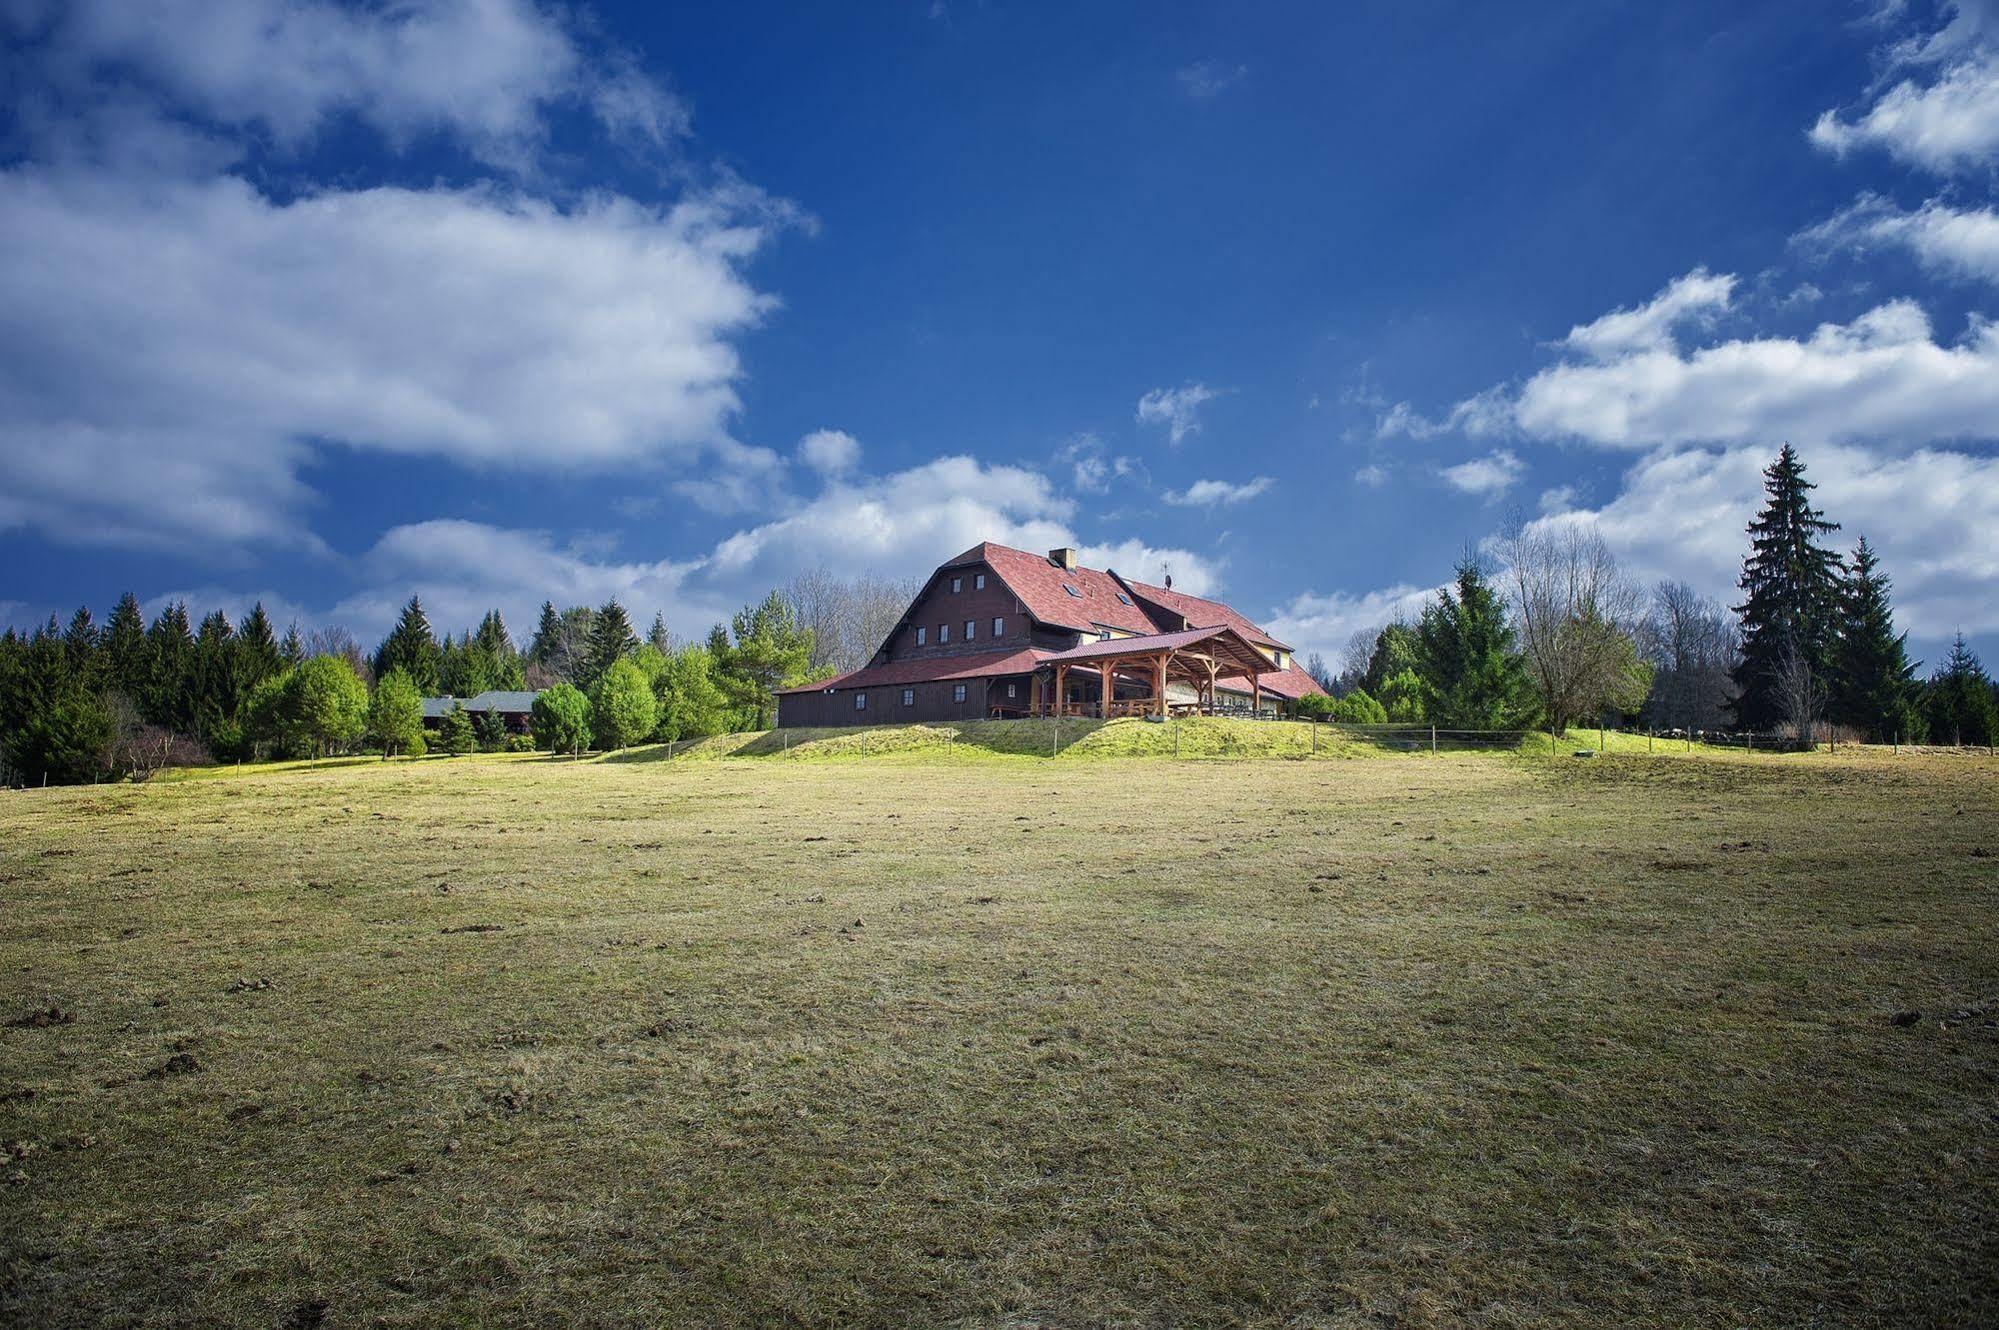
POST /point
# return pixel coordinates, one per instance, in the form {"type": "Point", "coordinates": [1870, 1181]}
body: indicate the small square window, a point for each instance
{"type": "Point", "coordinates": [909, 697]}
{"type": "Point", "coordinates": [971, 629]}
{"type": "Point", "coordinates": [978, 581]}
{"type": "Point", "coordinates": [1072, 591]}
{"type": "Point", "coordinates": [921, 633]}
{"type": "Point", "coordinates": [999, 627]}
{"type": "Point", "coordinates": [943, 633]}
{"type": "Point", "coordinates": [957, 585]}
{"type": "Point", "coordinates": [957, 692]}
{"type": "Point", "coordinates": [860, 701]}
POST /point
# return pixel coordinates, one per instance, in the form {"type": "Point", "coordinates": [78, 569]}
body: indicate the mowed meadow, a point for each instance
{"type": "Point", "coordinates": [1475, 1039]}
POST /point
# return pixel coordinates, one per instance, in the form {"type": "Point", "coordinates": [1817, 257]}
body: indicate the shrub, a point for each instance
{"type": "Point", "coordinates": [520, 743]}
{"type": "Point", "coordinates": [1313, 706]}
{"type": "Point", "coordinates": [1402, 698]}
{"type": "Point", "coordinates": [1357, 708]}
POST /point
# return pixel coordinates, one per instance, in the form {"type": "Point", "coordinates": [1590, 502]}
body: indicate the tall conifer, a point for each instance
{"type": "Point", "coordinates": [1791, 590]}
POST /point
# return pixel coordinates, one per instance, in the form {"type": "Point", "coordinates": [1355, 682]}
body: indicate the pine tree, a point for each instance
{"type": "Point", "coordinates": [257, 656]}
{"type": "Point", "coordinates": [503, 658]}
{"type": "Point", "coordinates": [213, 681]}
{"type": "Point", "coordinates": [1791, 586]}
{"type": "Point", "coordinates": [1472, 677]}
{"type": "Point", "coordinates": [1394, 652]}
{"type": "Point", "coordinates": [657, 636]}
{"type": "Point", "coordinates": [611, 640]}
{"type": "Point", "coordinates": [412, 648]}
{"type": "Point", "coordinates": [1873, 681]}
{"type": "Point", "coordinates": [454, 732]}
{"type": "Point", "coordinates": [541, 649]}
{"type": "Point", "coordinates": [125, 649]}
{"type": "Point", "coordinates": [292, 650]}
{"type": "Point", "coordinates": [770, 651]}
{"type": "Point", "coordinates": [1961, 709]}
{"type": "Point", "coordinates": [168, 694]}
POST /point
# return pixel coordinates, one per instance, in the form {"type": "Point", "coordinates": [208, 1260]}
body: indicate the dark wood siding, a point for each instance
{"type": "Point", "coordinates": [930, 702]}
{"type": "Point", "coordinates": [938, 606]}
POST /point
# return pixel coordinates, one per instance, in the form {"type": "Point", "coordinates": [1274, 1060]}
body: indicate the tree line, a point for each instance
{"type": "Point", "coordinates": [87, 702]}
{"type": "Point", "coordinates": [1560, 635]}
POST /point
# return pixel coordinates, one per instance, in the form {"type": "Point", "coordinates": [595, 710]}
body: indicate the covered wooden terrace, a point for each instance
{"type": "Point", "coordinates": [1146, 666]}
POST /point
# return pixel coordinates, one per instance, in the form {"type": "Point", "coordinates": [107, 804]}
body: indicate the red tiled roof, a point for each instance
{"type": "Point", "coordinates": [1100, 599]}
{"type": "Point", "coordinates": [929, 670]}
{"type": "Point", "coordinates": [1196, 610]}
{"type": "Point", "coordinates": [1292, 683]}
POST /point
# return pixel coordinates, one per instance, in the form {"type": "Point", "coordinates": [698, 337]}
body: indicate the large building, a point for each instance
{"type": "Point", "coordinates": [1000, 632]}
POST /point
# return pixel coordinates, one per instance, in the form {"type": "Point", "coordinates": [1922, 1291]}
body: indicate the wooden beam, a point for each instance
{"type": "Point", "coordinates": [1104, 706]}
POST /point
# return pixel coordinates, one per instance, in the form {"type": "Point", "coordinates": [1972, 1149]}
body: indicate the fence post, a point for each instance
{"type": "Point", "coordinates": [1055, 733]}
{"type": "Point", "coordinates": [1599, 738]}
{"type": "Point", "coordinates": [1651, 741]}
{"type": "Point", "coordinates": [1315, 738]}
{"type": "Point", "coordinates": [1898, 743]}
{"type": "Point", "coordinates": [1433, 741]}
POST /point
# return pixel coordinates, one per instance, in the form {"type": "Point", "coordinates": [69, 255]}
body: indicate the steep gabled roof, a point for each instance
{"type": "Point", "coordinates": [1178, 605]}
{"type": "Point", "coordinates": [930, 669]}
{"type": "Point", "coordinates": [1100, 600]}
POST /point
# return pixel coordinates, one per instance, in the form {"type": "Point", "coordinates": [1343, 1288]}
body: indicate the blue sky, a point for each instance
{"type": "Point", "coordinates": [326, 304]}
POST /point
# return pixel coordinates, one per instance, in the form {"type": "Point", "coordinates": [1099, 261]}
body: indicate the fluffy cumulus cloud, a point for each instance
{"type": "Point", "coordinates": [1885, 375]}
{"type": "Point", "coordinates": [1324, 622]}
{"type": "Point", "coordinates": [830, 452]}
{"type": "Point", "coordinates": [896, 525]}
{"type": "Point", "coordinates": [1941, 111]}
{"type": "Point", "coordinates": [1488, 477]}
{"type": "Point", "coordinates": [1681, 514]}
{"type": "Point", "coordinates": [1211, 493]}
{"type": "Point", "coordinates": [1950, 241]}
{"type": "Point", "coordinates": [1178, 409]}
{"type": "Point", "coordinates": [485, 71]}
{"type": "Point", "coordinates": [183, 344]}
{"type": "Point", "coordinates": [1650, 327]}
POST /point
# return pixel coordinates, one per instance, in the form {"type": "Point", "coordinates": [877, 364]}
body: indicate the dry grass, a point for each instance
{"type": "Point", "coordinates": [1398, 1042]}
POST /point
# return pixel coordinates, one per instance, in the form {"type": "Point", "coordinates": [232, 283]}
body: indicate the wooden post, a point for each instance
{"type": "Point", "coordinates": [1256, 692]}
{"type": "Point", "coordinates": [1433, 741]}
{"type": "Point", "coordinates": [1104, 706]}
{"type": "Point", "coordinates": [1061, 687]}
{"type": "Point", "coordinates": [1159, 691]}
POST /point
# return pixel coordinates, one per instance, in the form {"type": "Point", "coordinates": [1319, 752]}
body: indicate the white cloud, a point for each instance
{"type": "Point", "coordinates": [1490, 476]}
{"type": "Point", "coordinates": [1208, 493]}
{"type": "Point", "coordinates": [1374, 475]}
{"type": "Point", "coordinates": [1092, 469]}
{"type": "Point", "coordinates": [1696, 296]}
{"type": "Point", "coordinates": [183, 347]}
{"type": "Point", "coordinates": [896, 525]}
{"type": "Point", "coordinates": [1682, 514]}
{"type": "Point", "coordinates": [1955, 242]}
{"type": "Point", "coordinates": [1324, 622]}
{"type": "Point", "coordinates": [830, 452]}
{"type": "Point", "coordinates": [484, 71]}
{"type": "Point", "coordinates": [1175, 408]}
{"type": "Point", "coordinates": [1882, 376]}
{"type": "Point", "coordinates": [1205, 79]}
{"type": "Point", "coordinates": [1558, 499]}
{"type": "Point", "coordinates": [1946, 123]}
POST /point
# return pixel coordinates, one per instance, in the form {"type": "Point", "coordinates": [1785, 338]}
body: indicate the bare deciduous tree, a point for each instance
{"type": "Point", "coordinates": [1692, 643]}
{"type": "Point", "coordinates": [1801, 695]}
{"type": "Point", "coordinates": [333, 640]}
{"type": "Point", "coordinates": [1575, 611]}
{"type": "Point", "coordinates": [1355, 657]}
{"type": "Point", "coordinates": [849, 618]}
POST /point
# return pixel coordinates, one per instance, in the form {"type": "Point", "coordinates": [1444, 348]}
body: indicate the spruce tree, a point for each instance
{"type": "Point", "coordinates": [169, 693]}
{"type": "Point", "coordinates": [292, 650]}
{"type": "Point", "coordinates": [257, 656]}
{"type": "Point", "coordinates": [657, 636]}
{"type": "Point", "coordinates": [611, 640]}
{"type": "Point", "coordinates": [125, 649]}
{"type": "Point", "coordinates": [214, 683]}
{"type": "Point", "coordinates": [1873, 680]}
{"type": "Point", "coordinates": [1791, 593]}
{"type": "Point", "coordinates": [1961, 709]}
{"type": "Point", "coordinates": [1394, 652]}
{"type": "Point", "coordinates": [1472, 677]}
{"type": "Point", "coordinates": [412, 648]}
{"type": "Point", "coordinates": [547, 632]}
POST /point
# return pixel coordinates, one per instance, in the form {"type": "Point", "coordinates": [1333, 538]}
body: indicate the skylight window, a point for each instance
{"type": "Point", "coordinates": [1072, 591]}
{"type": "Point", "coordinates": [1124, 598]}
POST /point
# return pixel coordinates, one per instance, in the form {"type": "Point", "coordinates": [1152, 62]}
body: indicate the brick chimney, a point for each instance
{"type": "Point", "coordinates": [1062, 558]}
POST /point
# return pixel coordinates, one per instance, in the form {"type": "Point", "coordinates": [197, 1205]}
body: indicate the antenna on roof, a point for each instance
{"type": "Point", "coordinates": [1166, 571]}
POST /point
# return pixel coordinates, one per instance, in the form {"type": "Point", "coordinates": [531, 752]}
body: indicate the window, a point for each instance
{"type": "Point", "coordinates": [1103, 634]}
{"type": "Point", "coordinates": [920, 634]}
{"type": "Point", "coordinates": [1013, 690]}
{"type": "Point", "coordinates": [860, 701]}
{"type": "Point", "coordinates": [971, 629]}
{"type": "Point", "coordinates": [1124, 598]}
{"type": "Point", "coordinates": [943, 633]}
{"type": "Point", "coordinates": [909, 697]}
{"type": "Point", "coordinates": [1072, 591]}
{"type": "Point", "coordinates": [957, 585]}
{"type": "Point", "coordinates": [978, 581]}
{"type": "Point", "coordinates": [957, 692]}
{"type": "Point", "coordinates": [999, 627]}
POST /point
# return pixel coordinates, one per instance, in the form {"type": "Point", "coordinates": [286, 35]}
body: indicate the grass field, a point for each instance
{"type": "Point", "coordinates": [1474, 1040]}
